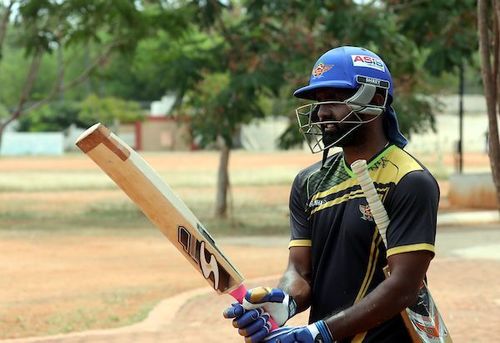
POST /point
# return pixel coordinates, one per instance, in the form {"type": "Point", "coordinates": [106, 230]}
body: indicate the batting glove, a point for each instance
{"type": "Point", "coordinates": [275, 301]}
{"type": "Point", "coordinates": [252, 324]}
{"type": "Point", "coordinates": [314, 333]}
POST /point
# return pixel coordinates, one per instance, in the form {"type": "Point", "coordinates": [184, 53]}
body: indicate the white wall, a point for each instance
{"type": "Point", "coordinates": [447, 135]}
{"type": "Point", "coordinates": [32, 143]}
{"type": "Point", "coordinates": [475, 125]}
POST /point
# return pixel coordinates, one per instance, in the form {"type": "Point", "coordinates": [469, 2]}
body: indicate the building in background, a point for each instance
{"type": "Point", "coordinates": [157, 133]}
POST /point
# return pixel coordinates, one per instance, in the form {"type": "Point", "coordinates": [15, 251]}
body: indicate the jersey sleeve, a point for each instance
{"type": "Point", "coordinates": [412, 210]}
{"type": "Point", "coordinates": [299, 222]}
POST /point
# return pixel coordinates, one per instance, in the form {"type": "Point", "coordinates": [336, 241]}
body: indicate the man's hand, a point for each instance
{"type": "Point", "coordinates": [314, 333]}
{"type": "Point", "coordinates": [252, 318]}
{"type": "Point", "coordinates": [274, 301]}
{"type": "Point", "coordinates": [252, 324]}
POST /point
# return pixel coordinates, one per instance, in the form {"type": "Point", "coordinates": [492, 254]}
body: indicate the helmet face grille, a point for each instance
{"type": "Point", "coordinates": [313, 128]}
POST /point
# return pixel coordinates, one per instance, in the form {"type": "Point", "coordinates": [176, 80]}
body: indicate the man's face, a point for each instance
{"type": "Point", "coordinates": [336, 132]}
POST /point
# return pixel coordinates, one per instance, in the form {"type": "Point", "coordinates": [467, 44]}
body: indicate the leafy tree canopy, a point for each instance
{"type": "Point", "coordinates": [108, 110]}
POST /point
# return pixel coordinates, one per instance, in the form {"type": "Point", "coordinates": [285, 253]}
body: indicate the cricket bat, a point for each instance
{"type": "Point", "coordinates": [422, 320]}
{"type": "Point", "coordinates": [163, 208]}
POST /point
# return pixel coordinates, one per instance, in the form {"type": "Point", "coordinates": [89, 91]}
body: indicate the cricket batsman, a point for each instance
{"type": "Point", "coordinates": [336, 253]}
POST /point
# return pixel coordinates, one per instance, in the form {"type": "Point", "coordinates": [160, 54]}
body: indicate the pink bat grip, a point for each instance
{"type": "Point", "coordinates": [239, 294]}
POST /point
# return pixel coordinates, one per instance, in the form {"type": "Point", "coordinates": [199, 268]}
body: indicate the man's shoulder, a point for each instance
{"type": "Point", "coordinates": [405, 164]}
{"type": "Point", "coordinates": [409, 173]}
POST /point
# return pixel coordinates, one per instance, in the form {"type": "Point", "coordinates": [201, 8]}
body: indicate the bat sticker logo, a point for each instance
{"type": "Point", "coordinates": [202, 256]}
{"type": "Point", "coordinates": [208, 267]}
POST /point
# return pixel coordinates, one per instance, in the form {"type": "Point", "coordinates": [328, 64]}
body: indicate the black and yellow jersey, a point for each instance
{"type": "Point", "coordinates": [329, 213]}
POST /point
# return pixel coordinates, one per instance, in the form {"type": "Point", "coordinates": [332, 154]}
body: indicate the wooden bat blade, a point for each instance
{"type": "Point", "coordinates": [159, 203]}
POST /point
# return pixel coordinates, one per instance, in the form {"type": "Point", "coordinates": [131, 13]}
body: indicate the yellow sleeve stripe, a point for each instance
{"type": "Point", "coordinates": [300, 243]}
{"type": "Point", "coordinates": [409, 248]}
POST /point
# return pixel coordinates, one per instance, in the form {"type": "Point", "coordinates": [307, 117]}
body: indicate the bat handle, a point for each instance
{"type": "Point", "coordinates": [239, 294]}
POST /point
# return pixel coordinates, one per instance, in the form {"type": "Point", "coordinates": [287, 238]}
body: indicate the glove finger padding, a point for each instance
{"type": "Point", "coordinates": [275, 301]}
{"type": "Point", "coordinates": [250, 317]}
{"type": "Point", "coordinates": [255, 326]}
{"type": "Point", "coordinates": [235, 311]}
{"type": "Point", "coordinates": [259, 336]}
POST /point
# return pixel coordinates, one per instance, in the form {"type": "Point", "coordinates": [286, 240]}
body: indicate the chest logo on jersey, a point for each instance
{"type": "Point", "coordinates": [366, 213]}
{"type": "Point", "coordinates": [316, 203]}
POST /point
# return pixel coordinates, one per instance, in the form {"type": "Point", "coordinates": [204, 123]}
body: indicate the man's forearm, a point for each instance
{"type": "Point", "coordinates": [383, 303]}
{"type": "Point", "coordinates": [298, 287]}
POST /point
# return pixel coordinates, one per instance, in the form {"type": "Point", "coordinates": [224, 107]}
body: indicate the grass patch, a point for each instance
{"type": "Point", "coordinates": [53, 181]}
{"type": "Point", "coordinates": [126, 213]}
{"type": "Point", "coordinates": [102, 219]}
{"type": "Point", "coordinates": [119, 308]}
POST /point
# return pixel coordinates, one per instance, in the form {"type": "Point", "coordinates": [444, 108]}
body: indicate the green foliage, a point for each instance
{"type": "Point", "coordinates": [229, 62]}
{"type": "Point", "coordinates": [76, 40]}
{"type": "Point", "coordinates": [107, 110]}
{"type": "Point", "coordinates": [56, 116]}
{"type": "Point", "coordinates": [49, 24]}
{"type": "Point", "coordinates": [312, 28]}
{"type": "Point", "coordinates": [446, 31]}
{"type": "Point", "coordinates": [252, 62]}
{"type": "Point", "coordinates": [161, 64]}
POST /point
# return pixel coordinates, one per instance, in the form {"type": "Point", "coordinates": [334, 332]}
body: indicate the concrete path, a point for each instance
{"type": "Point", "coordinates": [463, 277]}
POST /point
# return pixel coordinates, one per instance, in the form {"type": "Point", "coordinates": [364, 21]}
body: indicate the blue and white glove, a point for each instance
{"type": "Point", "coordinates": [315, 333]}
{"type": "Point", "coordinates": [274, 301]}
{"type": "Point", "coordinates": [252, 324]}
{"type": "Point", "coordinates": [252, 318]}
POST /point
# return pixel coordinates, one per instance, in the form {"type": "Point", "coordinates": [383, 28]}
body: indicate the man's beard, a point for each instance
{"type": "Point", "coordinates": [341, 129]}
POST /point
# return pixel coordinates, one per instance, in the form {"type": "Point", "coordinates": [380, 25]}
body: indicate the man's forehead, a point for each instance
{"type": "Point", "coordinates": [323, 94]}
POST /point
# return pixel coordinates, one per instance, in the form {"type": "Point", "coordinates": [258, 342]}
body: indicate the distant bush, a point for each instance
{"type": "Point", "coordinates": [108, 110]}
{"type": "Point", "coordinates": [55, 116]}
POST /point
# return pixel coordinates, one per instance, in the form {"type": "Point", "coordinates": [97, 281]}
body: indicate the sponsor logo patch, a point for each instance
{"type": "Point", "coordinates": [367, 61]}
{"type": "Point", "coordinates": [320, 69]}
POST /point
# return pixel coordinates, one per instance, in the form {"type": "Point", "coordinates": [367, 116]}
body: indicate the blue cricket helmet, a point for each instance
{"type": "Point", "coordinates": [342, 67]}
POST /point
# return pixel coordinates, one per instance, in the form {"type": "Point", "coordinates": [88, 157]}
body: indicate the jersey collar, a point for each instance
{"type": "Point", "coordinates": [372, 161]}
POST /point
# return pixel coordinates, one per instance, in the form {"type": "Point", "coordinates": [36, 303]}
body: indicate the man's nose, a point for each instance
{"type": "Point", "coordinates": [325, 112]}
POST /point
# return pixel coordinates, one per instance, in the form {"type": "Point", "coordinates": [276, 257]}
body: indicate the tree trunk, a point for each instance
{"type": "Point", "coordinates": [222, 180]}
{"type": "Point", "coordinates": [489, 46]}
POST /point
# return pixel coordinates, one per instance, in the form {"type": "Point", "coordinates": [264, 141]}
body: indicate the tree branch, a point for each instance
{"type": "Point", "coordinates": [28, 86]}
{"type": "Point", "coordinates": [406, 5]}
{"type": "Point", "coordinates": [84, 75]}
{"type": "Point", "coordinates": [3, 24]}
{"type": "Point", "coordinates": [57, 88]}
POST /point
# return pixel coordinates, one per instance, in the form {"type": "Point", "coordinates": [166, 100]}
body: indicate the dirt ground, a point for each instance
{"type": "Point", "coordinates": [52, 282]}
{"type": "Point", "coordinates": [98, 282]}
